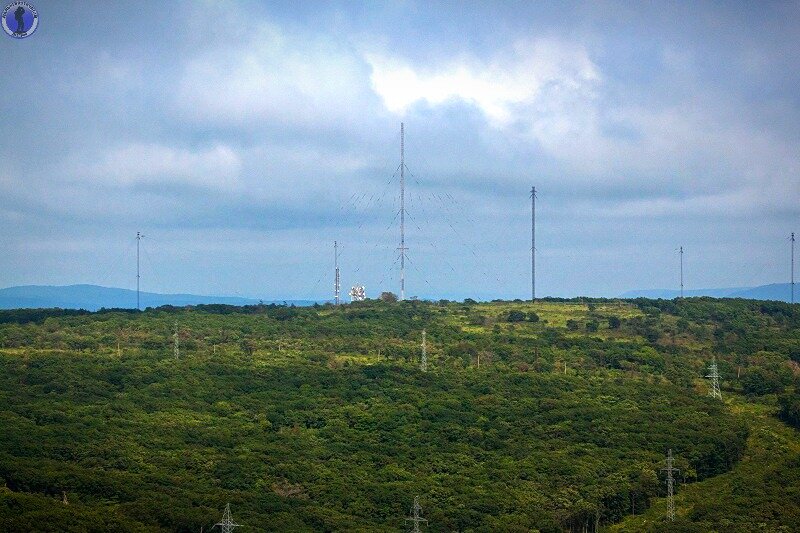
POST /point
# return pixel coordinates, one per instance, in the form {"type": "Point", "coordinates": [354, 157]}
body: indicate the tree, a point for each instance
{"type": "Point", "coordinates": [614, 322]}
{"type": "Point", "coordinates": [389, 297]}
{"type": "Point", "coordinates": [515, 316]}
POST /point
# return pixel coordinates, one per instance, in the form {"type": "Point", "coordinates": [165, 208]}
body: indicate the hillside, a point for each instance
{"type": "Point", "coordinates": [94, 297]}
{"type": "Point", "coordinates": [776, 291]}
{"type": "Point", "coordinates": [551, 416]}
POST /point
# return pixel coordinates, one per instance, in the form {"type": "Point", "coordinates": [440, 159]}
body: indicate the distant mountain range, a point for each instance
{"type": "Point", "coordinates": [94, 297]}
{"type": "Point", "coordinates": [774, 291]}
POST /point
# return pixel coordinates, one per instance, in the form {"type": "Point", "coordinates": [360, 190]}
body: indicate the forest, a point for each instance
{"type": "Point", "coordinates": [548, 416]}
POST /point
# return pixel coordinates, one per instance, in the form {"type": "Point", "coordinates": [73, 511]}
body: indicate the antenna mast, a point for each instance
{"type": "Point", "coordinates": [681, 272]}
{"type": "Point", "coordinates": [138, 239]}
{"type": "Point", "coordinates": [423, 362]}
{"type": "Point", "coordinates": [227, 524]}
{"type": "Point", "coordinates": [533, 244]}
{"type": "Point", "coordinates": [713, 375]}
{"type": "Point", "coordinates": [415, 518]}
{"type": "Point", "coordinates": [670, 487]}
{"type": "Point", "coordinates": [402, 214]}
{"type": "Point", "coordinates": [792, 239]}
{"type": "Point", "coordinates": [336, 279]}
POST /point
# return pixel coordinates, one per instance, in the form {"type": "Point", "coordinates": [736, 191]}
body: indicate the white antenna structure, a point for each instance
{"type": "Point", "coordinates": [358, 293]}
{"type": "Point", "coordinates": [227, 524]}
{"type": "Point", "coordinates": [681, 252]}
{"type": "Point", "coordinates": [402, 247]}
{"type": "Point", "coordinates": [533, 244]}
{"type": "Point", "coordinates": [713, 375]}
{"type": "Point", "coordinates": [416, 509]}
{"type": "Point", "coordinates": [139, 237]}
{"type": "Point", "coordinates": [336, 284]}
{"type": "Point", "coordinates": [791, 238]}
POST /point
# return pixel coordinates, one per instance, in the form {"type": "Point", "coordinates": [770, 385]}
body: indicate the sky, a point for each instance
{"type": "Point", "coordinates": [243, 138]}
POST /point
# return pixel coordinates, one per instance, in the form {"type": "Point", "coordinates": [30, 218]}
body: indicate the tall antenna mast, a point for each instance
{"type": "Point", "coordinates": [533, 244]}
{"type": "Point", "coordinates": [402, 214]}
{"type": "Point", "coordinates": [681, 272]}
{"type": "Point", "coordinates": [138, 239]}
{"type": "Point", "coordinates": [227, 524]}
{"type": "Point", "coordinates": [792, 239]}
{"type": "Point", "coordinates": [670, 486]}
{"type": "Point", "coordinates": [713, 375]}
{"type": "Point", "coordinates": [336, 279]}
{"type": "Point", "coordinates": [415, 518]}
{"type": "Point", "coordinates": [423, 362]}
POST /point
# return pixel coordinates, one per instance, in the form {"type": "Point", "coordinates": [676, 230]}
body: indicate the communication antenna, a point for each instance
{"type": "Point", "coordinates": [227, 524]}
{"type": "Point", "coordinates": [176, 342]}
{"type": "Point", "coordinates": [138, 240]}
{"type": "Point", "coordinates": [681, 272]}
{"type": "Point", "coordinates": [415, 518]}
{"type": "Point", "coordinates": [402, 247]}
{"type": "Point", "coordinates": [336, 278]}
{"type": "Point", "coordinates": [533, 244]}
{"type": "Point", "coordinates": [423, 362]}
{"type": "Point", "coordinates": [713, 375]}
{"type": "Point", "coordinates": [792, 283]}
{"type": "Point", "coordinates": [670, 487]}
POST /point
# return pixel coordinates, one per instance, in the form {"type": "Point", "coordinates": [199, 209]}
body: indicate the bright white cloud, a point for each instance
{"type": "Point", "coordinates": [541, 73]}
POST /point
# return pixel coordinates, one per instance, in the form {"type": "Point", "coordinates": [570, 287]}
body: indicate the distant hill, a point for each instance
{"type": "Point", "coordinates": [93, 297]}
{"type": "Point", "coordinates": [774, 291]}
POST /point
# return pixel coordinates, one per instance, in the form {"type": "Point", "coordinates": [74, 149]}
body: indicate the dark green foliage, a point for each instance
{"type": "Point", "coordinates": [790, 408]}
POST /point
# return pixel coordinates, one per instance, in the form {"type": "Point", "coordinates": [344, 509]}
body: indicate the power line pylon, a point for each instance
{"type": "Point", "coordinates": [423, 362]}
{"type": "Point", "coordinates": [533, 244]}
{"type": "Point", "coordinates": [415, 518]}
{"type": "Point", "coordinates": [669, 469]}
{"type": "Point", "coordinates": [176, 342]}
{"type": "Point", "coordinates": [336, 285]}
{"type": "Point", "coordinates": [713, 375]}
{"type": "Point", "coordinates": [227, 524]}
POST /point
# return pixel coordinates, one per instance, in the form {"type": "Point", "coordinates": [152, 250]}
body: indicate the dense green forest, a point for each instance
{"type": "Point", "coordinates": [553, 416]}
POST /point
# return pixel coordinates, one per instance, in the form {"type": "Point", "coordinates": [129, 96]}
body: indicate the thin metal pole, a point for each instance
{"type": "Point", "coordinates": [138, 238]}
{"type": "Point", "coordinates": [792, 267]}
{"type": "Point", "coordinates": [681, 272]}
{"type": "Point", "coordinates": [533, 244]}
{"type": "Point", "coordinates": [336, 279]}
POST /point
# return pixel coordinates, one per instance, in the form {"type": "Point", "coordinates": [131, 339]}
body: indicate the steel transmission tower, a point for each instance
{"type": "Point", "coordinates": [402, 247]}
{"type": "Point", "coordinates": [669, 469]}
{"type": "Point", "coordinates": [415, 518]}
{"type": "Point", "coordinates": [227, 524]}
{"type": "Point", "coordinates": [533, 244]}
{"type": "Point", "coordinates": [138, 240]}
{"type": "Point", "coordinates": [336, 278]}
{"type": "Point", "coordinates": [176, 342]}
{"type": "Point", "coordinates": [423, 362]}
{"type": "Point", "coordinates": [713, 375]}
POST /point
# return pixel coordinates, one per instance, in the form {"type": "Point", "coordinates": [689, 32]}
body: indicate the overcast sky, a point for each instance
{"type": "Point", "coordinates": [243, 138]}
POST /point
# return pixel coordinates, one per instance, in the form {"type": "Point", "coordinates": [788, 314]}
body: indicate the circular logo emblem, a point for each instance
{"type": "Point", "coordinates": [20, 19]}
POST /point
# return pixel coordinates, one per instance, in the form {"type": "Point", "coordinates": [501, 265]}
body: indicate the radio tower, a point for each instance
{"type": "Point", "coordinates": [415, 518]}
{"type": "Point", "coordinates": [227, 524]}
{"type": "Point", "coordinates": [792, 239]}
{"type": "Point", "coordinates": [681, 272]}
{"type": "Point", "coordinates": [336, 279]}
{"type": "Point", "coordinates": [670, 486]}
{"type": "Point", "coordinates": [533, 244]}
{"type": "Point", "coordinates": [713, 375]}
{"type": "Point", "coordinates": [138, 239]}
{"type": "Point", "coordinates": [176, 342]}
{"type": "Point", "coordinates": [402, 214]}
{"type": "Point", "coordinates": [423, 362]}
